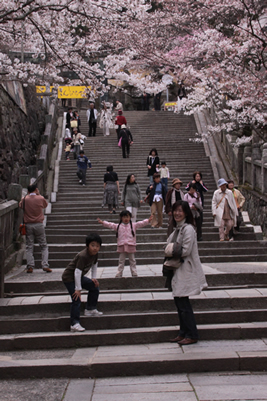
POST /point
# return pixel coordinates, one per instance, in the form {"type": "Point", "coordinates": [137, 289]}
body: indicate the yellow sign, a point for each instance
{"type": "Point", "coordinates": [72, 92]}
{"type": "Point", "coordinates": [42, 89]}
{"type": "Point", "coordinates": [66, 92]}
{"type": "Point", "coordinates": [170, 104]}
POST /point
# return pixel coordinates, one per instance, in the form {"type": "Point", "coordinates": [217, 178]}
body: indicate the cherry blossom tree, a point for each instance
{"type": "Point", "coordinates": [217, 48]}
{"type": "Point", "coordinates": [61, 35]}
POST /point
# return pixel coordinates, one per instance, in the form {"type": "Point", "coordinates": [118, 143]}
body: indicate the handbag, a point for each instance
{"type": "Point", "coordinates": [119, 143]}
{"type": "Point", "coordinates": [74, 123]}
{"type": "Point", "coordinates": [171, 262]}
{"type": "Point", "coordinates": [22, 229]}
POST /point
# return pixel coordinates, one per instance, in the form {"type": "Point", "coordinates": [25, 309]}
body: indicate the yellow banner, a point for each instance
{"type": "Point", "coordinates": [42, 89]}
{"type": "Point", "coordinates": [66, 92]}
{"type": "Point", "coordinates": [72, 92]}
{"type": "Point", "coordinates": [170, 104]}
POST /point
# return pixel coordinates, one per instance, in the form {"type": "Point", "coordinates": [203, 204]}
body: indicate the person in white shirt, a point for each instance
{"type": "Point", "coordinates": [119, 106]}
{"type": "Point", "coordinates": [92, 115]}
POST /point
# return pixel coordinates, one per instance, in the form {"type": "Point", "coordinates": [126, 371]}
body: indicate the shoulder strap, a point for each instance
{"type": "Point", "coordinates": [220, 200]}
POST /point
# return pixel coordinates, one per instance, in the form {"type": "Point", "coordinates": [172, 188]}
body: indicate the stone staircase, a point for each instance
{"type": "Point", "coordinates": [139, 314]}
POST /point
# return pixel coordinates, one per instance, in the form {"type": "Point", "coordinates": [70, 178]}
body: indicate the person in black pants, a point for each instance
{"type": "Point", "coordinates": [126, 141]}
{"type": "Point", "coordinates": [152, 164]}
{"type": "Point", "coordinates": [189, 279]}
{"type": "Point", "coordinates": [92, 119]}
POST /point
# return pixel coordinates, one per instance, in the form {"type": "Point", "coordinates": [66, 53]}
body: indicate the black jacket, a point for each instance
{"type": "Point", "coordinates": [125, 135]}
{"type": "Point", "coordinates": [153, 165]}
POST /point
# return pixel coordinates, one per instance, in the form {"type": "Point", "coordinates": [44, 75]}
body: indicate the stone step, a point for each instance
{"type": "Point", "coordinates": [119, 336]}
{"type": "Point", "coordinates": [149, 230]}
{"type": "Point", "coordinates": [224, 275]}
{"type": "Point", "coordinates": [136, 302]}
{"type": "Point", "coordinates": [133, 360]}
{"type": "Point", "coordinates": [239, 256]}
{"type": "Point", "coordinates": [75, 248]}
{"type": "Point", "coordinates": [108, 254]}
{"type": "Point", "coordinates": [161, 236]}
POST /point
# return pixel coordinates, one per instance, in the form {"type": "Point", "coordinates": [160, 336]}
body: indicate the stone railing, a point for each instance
{"type": "Point", "coordinates": [10, 213]}
{"type": "Point", "coordinates": [8, 242]}
{"type": "Point", "coordinates": [247, 164]}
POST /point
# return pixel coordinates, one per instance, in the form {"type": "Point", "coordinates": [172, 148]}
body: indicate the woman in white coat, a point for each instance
{"type": "Point", "coordinates": [105, 120]}
{"type": "Point", "coordinates": [189, 278]}
{"type": "Point", "coordinates": [224, 209]}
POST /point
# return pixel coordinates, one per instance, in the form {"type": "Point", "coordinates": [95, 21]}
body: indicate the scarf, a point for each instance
{"type": "Point", "coordinates": [173, 198]}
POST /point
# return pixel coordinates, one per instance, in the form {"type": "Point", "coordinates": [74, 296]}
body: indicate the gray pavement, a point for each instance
{"type": "Point", "coordinates": [223, 386]}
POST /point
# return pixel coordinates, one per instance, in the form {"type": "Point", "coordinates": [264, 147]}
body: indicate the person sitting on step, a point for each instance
{"type": "Point", "coordinates": [74, 278]}
{"type": "Point", "coordinates": [126, 239]}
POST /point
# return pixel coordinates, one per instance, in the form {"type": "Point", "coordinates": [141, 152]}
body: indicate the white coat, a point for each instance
{"type": "Point", "coordinates": [189, 278]}
{"type": "Point", "coordinates": [217, 209]}
{"type": "Point", "coordinates": [88, 114]}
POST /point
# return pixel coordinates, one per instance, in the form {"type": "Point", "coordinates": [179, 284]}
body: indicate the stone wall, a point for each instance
{"type": "Point", "coordinates": [256, 206]}
{"type": "Point", "coordinates": [20, 136]}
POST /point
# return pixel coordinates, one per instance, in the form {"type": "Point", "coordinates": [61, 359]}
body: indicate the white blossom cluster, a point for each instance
{"type": "Point", "coordinates": [217, 48]}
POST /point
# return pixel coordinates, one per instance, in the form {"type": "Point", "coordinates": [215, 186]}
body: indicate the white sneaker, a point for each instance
{"type": "Point", "coordinates": [80, 182]}
{"type": "Point", "coordinates": [93, 312]}
{"type": "Point", "coordinates": [77, 327]}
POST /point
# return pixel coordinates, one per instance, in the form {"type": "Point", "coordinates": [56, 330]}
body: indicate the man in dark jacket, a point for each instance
{"type": "Point", "coordinates": [157, 195]}
{"type": "Point", "coordinates": [82, 163]}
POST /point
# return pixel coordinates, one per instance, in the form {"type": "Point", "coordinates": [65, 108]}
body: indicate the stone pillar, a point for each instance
{"type": "Point", "coordinates": [247, 153]}
{"type": "Point", "coordinates": [14, 192]}
{"type": "Point", "coordinates": [24, 180]}
{"type": "Point", "coordinates": [240, 156]}
{"type": "Point", "coordinates": [264, 168]}
{"type": "Point", "coordinates": [32, 171]}
{"type": "Point", "coordinates": [256, 155]}
{"type": "Point", "coordinates": [2, 273]}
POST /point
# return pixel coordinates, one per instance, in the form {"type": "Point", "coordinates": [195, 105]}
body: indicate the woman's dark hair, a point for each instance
{"type": "Point", "coordinates": [195, 173]}
{"type": "Point", "coordinates": [93, 237]}
{"type": "Point", "coordinates": [153, 150]}
{"type": "Point", "coordinates": [156, 175]}
{"type": "Point", "coordinates": [127, 182]}
{"type": "Point", "coordinates": [231, 182]}
{"type": "Point", "coordinates": [123, 214]}
{"type": "Point", "coordinates": [189, 219]}
{"type": "Point", "coordinates": [192, 185]}
{"type": "Point", "coordinates": [109, 168]}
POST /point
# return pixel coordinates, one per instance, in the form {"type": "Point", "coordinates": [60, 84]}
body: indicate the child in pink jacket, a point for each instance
{"type": "Point", "coordinates": [126, 239]}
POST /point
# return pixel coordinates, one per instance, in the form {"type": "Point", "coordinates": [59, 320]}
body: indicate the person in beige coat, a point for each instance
{"type": "Point", "coordinates": [224, 209]}
{"type": "Point", "coordinates": [189, 278]}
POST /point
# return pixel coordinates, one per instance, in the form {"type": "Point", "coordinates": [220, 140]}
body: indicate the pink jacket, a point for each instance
{"type": "Point", "coordinates": [125, 236]}
{"type": "Point", "coordinates": [188, 198]}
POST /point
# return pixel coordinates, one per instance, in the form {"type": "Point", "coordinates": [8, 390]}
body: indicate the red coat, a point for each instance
{"type": "Point", "coordinates": [120, 120]}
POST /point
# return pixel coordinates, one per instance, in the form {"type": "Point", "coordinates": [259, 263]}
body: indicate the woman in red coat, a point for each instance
{"type": "Point", "coordinates": [119, 121]}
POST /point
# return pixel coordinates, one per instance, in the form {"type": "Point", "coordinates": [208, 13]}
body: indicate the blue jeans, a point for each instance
{"type": "Point", "coordinates": [165, 183]}
{"type": "Point", "coordinates": [92, 297]}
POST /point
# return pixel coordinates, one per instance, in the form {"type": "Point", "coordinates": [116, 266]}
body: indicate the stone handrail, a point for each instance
{"type": "Point", "coordinates": [10, 213]}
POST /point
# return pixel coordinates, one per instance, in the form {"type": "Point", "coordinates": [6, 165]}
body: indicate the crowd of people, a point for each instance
{"type": "Point", "coordinates": [182, 267]}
